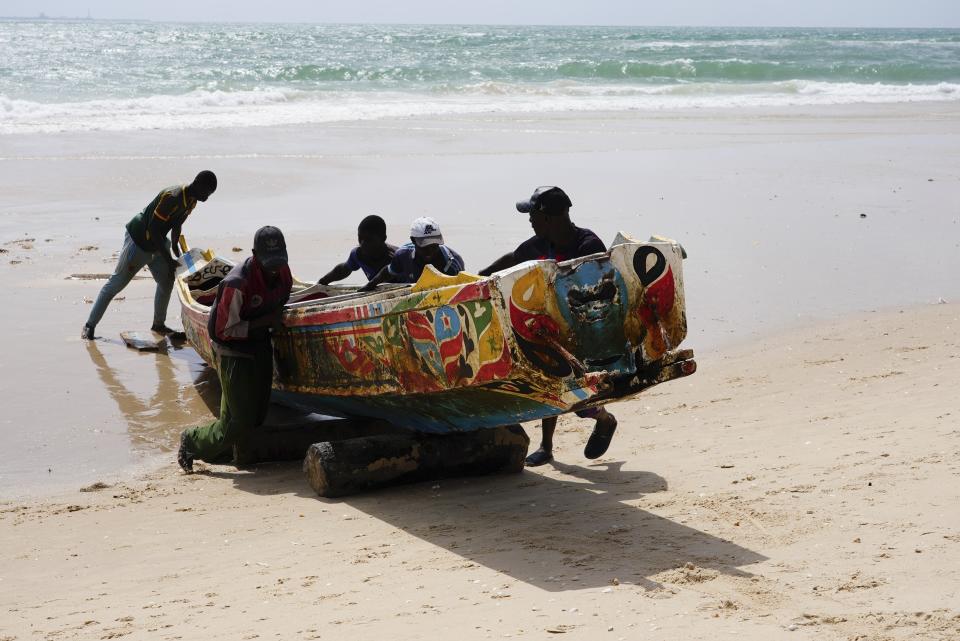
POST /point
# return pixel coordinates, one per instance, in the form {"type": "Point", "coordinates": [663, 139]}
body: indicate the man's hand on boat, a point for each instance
{"type": "Point", "coordinates": [172, 262]}
{"type": "Point", "coordinates": [174, 249]}
{"type": "Point", "coordinates": [382, 276]}
{"type": "Point", "coordinates": [273, 320]}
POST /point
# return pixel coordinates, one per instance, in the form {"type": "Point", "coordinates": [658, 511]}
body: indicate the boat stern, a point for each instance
{"type": "Point", "coordinates": [602, 326]}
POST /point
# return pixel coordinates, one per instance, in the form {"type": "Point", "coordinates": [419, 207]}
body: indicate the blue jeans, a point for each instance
{"type": "Point", "coordinates": [132, 260]}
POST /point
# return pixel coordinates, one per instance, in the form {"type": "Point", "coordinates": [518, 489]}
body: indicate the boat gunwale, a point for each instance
{"type": "Point", "coordinates": [392, 291]}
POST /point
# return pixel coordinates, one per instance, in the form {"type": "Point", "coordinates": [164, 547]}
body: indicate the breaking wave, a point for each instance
{"type": "Point", "coordinates": [200, 109]}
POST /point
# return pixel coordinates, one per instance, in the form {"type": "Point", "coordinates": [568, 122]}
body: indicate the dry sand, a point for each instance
{"type": "Point", "coordinates": [803, 484]}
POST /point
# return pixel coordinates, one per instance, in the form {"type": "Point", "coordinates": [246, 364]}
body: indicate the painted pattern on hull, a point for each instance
{"type": "Point", "coordinates": [464, 352]}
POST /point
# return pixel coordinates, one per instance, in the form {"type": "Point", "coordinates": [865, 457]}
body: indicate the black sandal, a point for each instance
{"type": "Point", "coordinates": [600, 438]}
{"type": "Point", "coordinates": [540, 457]}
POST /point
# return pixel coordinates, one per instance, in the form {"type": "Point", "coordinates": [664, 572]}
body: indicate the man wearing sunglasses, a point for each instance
{"type": "Point", "coordinates": [555, 237]}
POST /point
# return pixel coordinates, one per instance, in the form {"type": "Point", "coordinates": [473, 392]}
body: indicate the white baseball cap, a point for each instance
{"type": "Point", "coordinates": [425, 231]}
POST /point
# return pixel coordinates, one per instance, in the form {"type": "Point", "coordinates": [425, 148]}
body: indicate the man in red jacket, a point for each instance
{"type": "Point", "coordinates": [248, 307]}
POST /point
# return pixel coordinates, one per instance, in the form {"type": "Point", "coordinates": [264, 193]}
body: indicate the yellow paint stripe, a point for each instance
{"type": "Point", "coordinates": [156, 210]}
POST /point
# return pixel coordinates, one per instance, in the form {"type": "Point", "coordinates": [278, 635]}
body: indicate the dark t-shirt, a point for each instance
{"type": "Point", "coordinates": [408, 268]}
{"type": "Point", "coordinates": [354, 262]}
{"type": "Point", "coordinates": [584, 243]}
{"type": "Point", "coordinates": [168, 210]}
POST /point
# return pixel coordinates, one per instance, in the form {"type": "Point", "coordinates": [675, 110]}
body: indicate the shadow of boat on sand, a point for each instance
{"type": "Point", "coordinates": [580, 531]}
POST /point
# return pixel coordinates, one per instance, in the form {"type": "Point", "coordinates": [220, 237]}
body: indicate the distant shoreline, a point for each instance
{"type": "Point", "coordinates": [480, 24]}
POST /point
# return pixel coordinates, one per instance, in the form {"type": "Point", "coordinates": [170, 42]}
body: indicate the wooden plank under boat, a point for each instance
{"type": "Point", "coordinates": [464, 352]}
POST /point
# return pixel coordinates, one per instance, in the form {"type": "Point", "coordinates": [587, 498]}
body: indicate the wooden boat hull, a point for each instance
{"type": "Point", "coordinates": [462, 353]}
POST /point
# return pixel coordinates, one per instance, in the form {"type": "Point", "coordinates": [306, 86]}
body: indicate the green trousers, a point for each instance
{"type": "Point", "coordinates": [245, 385]}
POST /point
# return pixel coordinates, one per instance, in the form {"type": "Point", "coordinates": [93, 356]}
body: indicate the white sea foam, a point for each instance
{"type": "Point", "coordinates": [708, 44]}
{"type": "Point", "coordinates": [212, 109]}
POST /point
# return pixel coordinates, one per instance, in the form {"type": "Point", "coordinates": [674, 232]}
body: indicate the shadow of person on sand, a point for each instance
{"type": "Point", "coordinates": [582, 530]}
{"type": "Point", "coordinates": [612, 473]}
{"type": "Point", "coordinates": [154, 419]}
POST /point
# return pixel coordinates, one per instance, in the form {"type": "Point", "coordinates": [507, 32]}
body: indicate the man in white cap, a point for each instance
{"type": "Point", "coordinates": [425, 248]}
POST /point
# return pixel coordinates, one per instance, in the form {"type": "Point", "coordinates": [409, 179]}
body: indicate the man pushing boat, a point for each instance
{"type": "Point", "coordinates": [426, 247]}
{"type": "Point", "coordinates": [557, 238]}
{"type": "Point", "coordinates": [248, 307]}
{"type": "Point", "coordinates": [145, 244]}
{"type": "Point", "coordinates": [371, 254]}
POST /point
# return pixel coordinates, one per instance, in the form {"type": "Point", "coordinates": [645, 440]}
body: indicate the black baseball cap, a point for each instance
{"type": "Point", "coordinates": [270, 246]}
{"type": "Point", "coordinates": [549, 200]}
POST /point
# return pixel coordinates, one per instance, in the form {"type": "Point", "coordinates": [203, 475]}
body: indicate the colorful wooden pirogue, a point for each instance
{"type": "Point", "coordinates": [464, 352]}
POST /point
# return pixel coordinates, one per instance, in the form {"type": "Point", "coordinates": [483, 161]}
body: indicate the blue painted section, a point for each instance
{"type": "Point", "coordinates": [188, 261]}
{"type": "Point", "coordinates": [332, 327]}
{"type": "Point", "coordinates": [580, 393]}
{"type": "Point", "coordinates": [593, 299]}
{"type": "Point", "coordinates": [436, 413]}
{"type": "Point", "coordinates": [446, 323]}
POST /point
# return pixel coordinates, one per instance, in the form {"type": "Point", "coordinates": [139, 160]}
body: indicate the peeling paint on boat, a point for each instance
{"type": "Point", "coordinates": [464, 352]}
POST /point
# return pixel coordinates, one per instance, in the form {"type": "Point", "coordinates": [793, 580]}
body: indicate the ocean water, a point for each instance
{"type": "Point", "coordinates": [105, 75]}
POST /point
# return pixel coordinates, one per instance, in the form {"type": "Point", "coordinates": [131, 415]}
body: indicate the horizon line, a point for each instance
{"type": "Point", "coordinates": [38, 18]}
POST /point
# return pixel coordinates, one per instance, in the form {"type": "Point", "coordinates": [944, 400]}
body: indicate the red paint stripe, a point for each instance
{"type": "Point", "coordinates": [531, 325]}
{"type": "Point", "coordinates": [662, 293]}
{"type": "Point", "coordinates": [474, 291]}
{"type": "Point", "coordinates": [451, 347]}
{"type": "Point", "coordinates": [349, 332]}
{"type": "Point", "coordinates": [328, 317]}
{"type": "Point", "coordinates": [419, 327]}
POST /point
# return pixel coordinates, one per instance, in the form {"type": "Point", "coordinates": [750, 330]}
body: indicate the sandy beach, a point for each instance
{"type": "Point", "coordinates": [802, 484]}
{"type": "Point", "coordinates": [805, 485]}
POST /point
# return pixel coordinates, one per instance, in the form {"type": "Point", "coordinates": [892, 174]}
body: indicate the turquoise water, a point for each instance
{"type": "Point", "coordinates": [88, 75]}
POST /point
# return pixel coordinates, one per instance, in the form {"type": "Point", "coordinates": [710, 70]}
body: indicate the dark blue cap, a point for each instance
{"type": "Point", "coordinates": [548, 200]}
{"type": "Point", "coordinates": [270, 247]}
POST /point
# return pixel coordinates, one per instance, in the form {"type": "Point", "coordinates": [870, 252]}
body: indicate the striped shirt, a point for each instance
{"type": "Point", "coordinates": [243, 296]}
{"type": "Point", "coordinates": [167, 211]}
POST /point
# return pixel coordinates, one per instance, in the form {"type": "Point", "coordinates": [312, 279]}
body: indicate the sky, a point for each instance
{"type": "Point", "coordinates": [721, 13]}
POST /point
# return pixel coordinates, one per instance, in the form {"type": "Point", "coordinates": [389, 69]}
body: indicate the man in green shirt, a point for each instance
{"type": "Point", "coordinates": [146, 244]}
